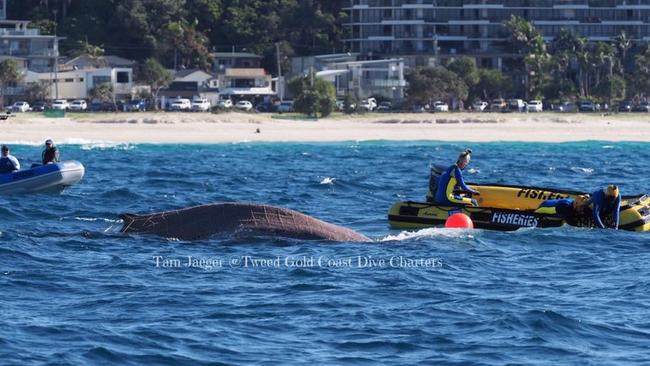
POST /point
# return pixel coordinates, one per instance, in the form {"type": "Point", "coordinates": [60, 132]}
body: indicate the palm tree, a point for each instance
{"type": "Point", "coordinates": [623, 44]}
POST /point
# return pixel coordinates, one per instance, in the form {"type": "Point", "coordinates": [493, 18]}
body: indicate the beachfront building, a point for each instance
{"type": "Point", "coordinates": [361, 79]}
{"type": "Point", "coordinates": [77, 84]}
{"type": "Point", "coordinates": [191, 83]}
{"type": "Point", "coordinates": [239, 75]}
{"type": "Point", "coordinates": [445, 28]}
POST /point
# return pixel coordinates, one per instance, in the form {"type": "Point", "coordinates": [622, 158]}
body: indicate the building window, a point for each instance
{"type": "Point", "coordinates": [68, 80]}
{"type": "Point", "coordinates": [97, 80]}
{"type": "Point", "coordinates": [81, 80]}
{"type": "Point", "coordinates": [122, 77]}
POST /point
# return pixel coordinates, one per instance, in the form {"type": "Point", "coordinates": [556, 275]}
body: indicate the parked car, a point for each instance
{"type": "Point", "coordinates": [61, 104]}
{"type": "Point", "coordinates": [224, 104]}
{"type": "Point", "coordinates": [266, 107]}
{"type": "Point", "coordinates": [480, 106]}
{"type": "Point", "coordinates": [78, 105]}
{"type": "Point", "coordinates": [642, 107]}
{"type": "Point", "coordinates": [534, 106]}
{"type": "Point", "coordinates": [98, 106]}
{"type": "Point", "coordinates": [419, 108]}
{"type": "Point", "coordinates": [180, 104]}
{"type": "Point", "coordinates": [286, 106]}
{"type": "Point", "coordinates": [244, 105]}
{"type": "Point", "coordinates": [40, 106]}
{"type": "Point", "coordinates": [368, 105]}
{"type": "Point", "coordinates": [200, 105]}
{"type": "Point", "coordinates": [439, 106]}
{"type": "Point", "coordinates": [385, 107]}
{"type": "Point", "coordinates": [498, 105]}
{"type": "Point", "coordinates": [625, 106]}
{"type": "Point", "coordinates": [567, 107]}
{"type": "Point", "coordinates": [587, 106]}
{"type": "Point", "coordinates": [20, 107]}
{"type": "Point", "coordinates": [516, 105]}
{"type": "Point", "coordinates": [137, 105]}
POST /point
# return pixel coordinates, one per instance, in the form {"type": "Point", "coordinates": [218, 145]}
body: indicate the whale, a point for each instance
{"type": "Point", "coordinates": [208, 220]}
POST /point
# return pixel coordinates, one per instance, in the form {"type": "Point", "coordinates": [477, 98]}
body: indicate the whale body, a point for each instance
{"type": "Point", "coordinates": [204, 221]}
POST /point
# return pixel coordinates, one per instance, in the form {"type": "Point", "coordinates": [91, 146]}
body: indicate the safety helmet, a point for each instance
{"type": "Point", "coordinates": [465, 156]}
{"type": "Point", "coordinates": [612, 190]}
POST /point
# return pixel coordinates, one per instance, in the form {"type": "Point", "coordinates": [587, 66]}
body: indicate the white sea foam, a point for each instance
{"type": "Point", "coordinates": [608, 147]}
{"type": "Point", "coordinates": [328, 180]}
{"type": "Point", "coordinates": [578, 169]}
{"type": "Point", "coordinates": [93, 219]}
{"type": "Point", "coordinates": [473, 171]}
{"type": "Point", "coordinates": [435, 232]}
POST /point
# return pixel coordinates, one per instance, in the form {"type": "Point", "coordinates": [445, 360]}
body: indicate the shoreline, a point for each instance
{"type": "Point", "coordinates": [206, 128]}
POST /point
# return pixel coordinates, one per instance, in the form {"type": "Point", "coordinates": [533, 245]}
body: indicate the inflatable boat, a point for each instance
{"type": "Point", "coordinates": [510, 207]}
{"type": "Point", "coordinates": [42, 178]}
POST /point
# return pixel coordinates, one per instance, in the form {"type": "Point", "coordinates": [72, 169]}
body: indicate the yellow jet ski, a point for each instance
{"type": "Point", "coordinates": [506, 207]}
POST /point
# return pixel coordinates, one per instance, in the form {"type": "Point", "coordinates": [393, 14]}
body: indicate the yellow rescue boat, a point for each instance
{"type": "Point", "coordinates": [509, 207]}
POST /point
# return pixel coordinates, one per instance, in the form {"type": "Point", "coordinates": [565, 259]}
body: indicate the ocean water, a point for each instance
{"type": "Point", "coordinates": [75, 291]}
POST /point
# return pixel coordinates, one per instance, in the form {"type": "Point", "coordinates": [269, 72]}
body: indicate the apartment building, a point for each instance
{"type": "Point", "coordinates": [380, 28]}
{"type": "Point", "coordinates": [33, 50]}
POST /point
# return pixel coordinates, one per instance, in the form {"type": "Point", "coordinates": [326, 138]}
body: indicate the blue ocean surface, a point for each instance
{"type": "Point", "coordinates": [75, 291]}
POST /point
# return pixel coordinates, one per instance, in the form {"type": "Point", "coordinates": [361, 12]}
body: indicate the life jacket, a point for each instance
{"type": "Point", "coordinates": [6, 165]}
{"type": "Point", "coordinates": [49, 155]}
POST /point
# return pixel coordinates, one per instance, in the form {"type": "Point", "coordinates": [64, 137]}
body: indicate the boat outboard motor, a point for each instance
{"type": "Point", "coordinates": [436, 172]}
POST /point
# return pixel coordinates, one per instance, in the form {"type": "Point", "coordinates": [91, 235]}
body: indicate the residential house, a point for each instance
{"type": "Point", "coordinates": [191, 83]}
{"type": "Point", "coordinates": [77, 84]}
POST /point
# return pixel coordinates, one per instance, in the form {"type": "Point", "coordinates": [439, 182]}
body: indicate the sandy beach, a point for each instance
{"type": "Point", "coordinates": [165, 127]}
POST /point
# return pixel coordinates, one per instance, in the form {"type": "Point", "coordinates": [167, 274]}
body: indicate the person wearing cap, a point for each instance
{"type": "Point", "coordinates": [605, 202]}
{"type": "Point", "coordinates": [452, 181]}
{"type": "Point", "coordinates": [8, 163]}
{"type": "Point", "coordinates": [50, 154]}
{"type": "Point", "coordinates": [565, 208]}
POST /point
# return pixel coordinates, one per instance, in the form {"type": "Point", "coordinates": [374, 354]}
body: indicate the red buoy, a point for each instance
{"type": "Point", "coordinates": [459, 221]}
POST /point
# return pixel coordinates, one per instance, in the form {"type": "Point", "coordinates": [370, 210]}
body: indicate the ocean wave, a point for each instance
{"type": "Point", "coordinates": [429, 233]}
{"type": "Point", "coordinates": [328, 181]}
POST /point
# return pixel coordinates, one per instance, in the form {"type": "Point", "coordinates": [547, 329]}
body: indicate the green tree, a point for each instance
{"type": "Point", "coordinates": [465, 68]}
{"type": "Point", "coordinates": [428, 84]}
{"type": "Point", "coordinates": [642, 71]}
{"type": "Point", "coordinates": [10, 73]}
{"type": "Point", "coordinates": [612, 87]}
{"type": "Point", "coordinates": [102, 92]}
{"type": "Point", "coordinates": [39, 90]}
{"type": "Point", "coordinates": [313, 95]}
{"type": "Point", "coordinates": [492, 84]}
{"type": "Point", "coordinates": [156, 76]}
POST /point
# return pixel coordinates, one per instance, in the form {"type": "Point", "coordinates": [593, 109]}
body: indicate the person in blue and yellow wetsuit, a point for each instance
{"type": "Point", "coordinates": [564, 208]}
{"type": "Point", "coordinates": [451, 180]}
{"type": "Point", "coordinates": [605, 201]}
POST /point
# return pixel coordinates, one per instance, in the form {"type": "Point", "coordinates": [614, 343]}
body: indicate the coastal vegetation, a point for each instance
{"type": "Point", "coordinates": [182, 33]}
{"type": "Point", "coordinates": [567, 68]}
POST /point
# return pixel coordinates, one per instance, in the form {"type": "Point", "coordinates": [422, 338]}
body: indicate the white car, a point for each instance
{"type": "Point", "coordinates": [60, 104]}
{"type": "Point", "coordinates": [224, 103]}
{"type": "Point", "coordinates": [20, 107]}
{"type": "Point", "coordinates": [78, 105]}
{"type": "Point", "coordinates": [244, 105]}
{"type": "Point", "coordinates": [480, 106]}
{"type": "Point", "coordinates": [285, 106]}
{"type": "Point", "coordinates": [200, 105]}
{"type": "Point", "coordinates": [534, 106]}
{"type": "Point", "coordinates": [440, 107]}
{"type": "Point", "coordinates": [180, 104]}
{"type": "Point", "coordinates": [368, 105]}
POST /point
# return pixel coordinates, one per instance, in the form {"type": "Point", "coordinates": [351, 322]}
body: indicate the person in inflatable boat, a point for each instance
{"type": "Point", "coordinates": [605, 202]}
{"type": "Point", "coordinates": [565, 208]}
{"type": "Point", "coordinates": [8, 163]}
{"type": "Point", "coordinates": [452, 181]}
{"type": "Point", "coordinates": [50, 153]}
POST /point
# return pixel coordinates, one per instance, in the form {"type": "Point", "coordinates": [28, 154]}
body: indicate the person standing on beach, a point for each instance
{"type": "Point", "coordinates": [51, 153]}
{"type": "Point", "coordinates": [8, 163]}
{"type": "Point", "coordinates": [605, 201]}
{"type": "Point", "coordinates": [451, 180]}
